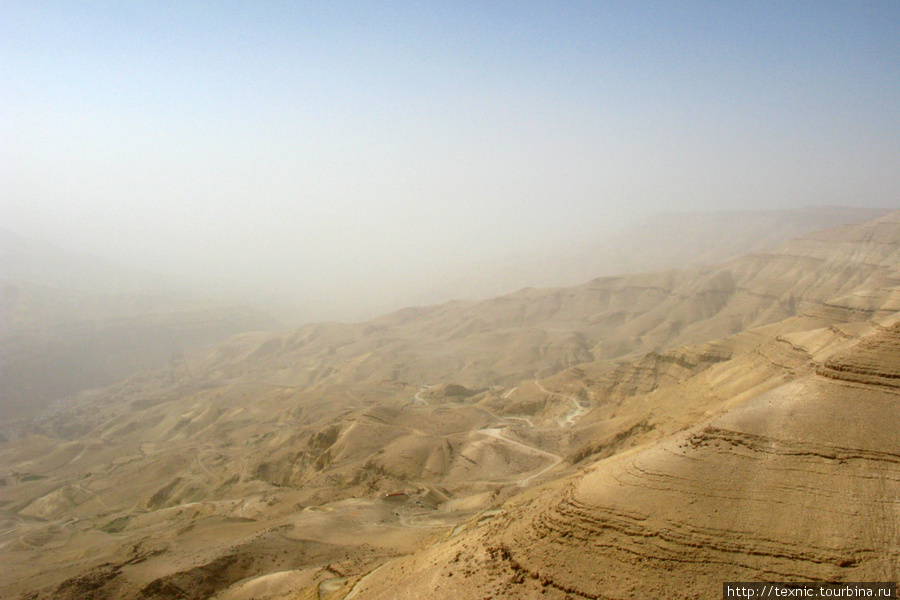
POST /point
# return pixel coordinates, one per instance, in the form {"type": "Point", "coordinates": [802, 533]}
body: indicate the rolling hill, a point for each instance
{"type": "Point", "coordinates": [649, 435]}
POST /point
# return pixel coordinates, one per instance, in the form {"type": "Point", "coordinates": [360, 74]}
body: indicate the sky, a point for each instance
{"type": "Point", "coordinates": [333, 153]}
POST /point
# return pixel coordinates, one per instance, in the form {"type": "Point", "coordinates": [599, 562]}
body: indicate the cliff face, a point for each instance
{"type": "Point", "coordinates": [798, 482]}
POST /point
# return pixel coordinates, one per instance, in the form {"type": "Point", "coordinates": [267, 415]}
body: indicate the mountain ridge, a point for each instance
{"type": "Point", "coordinates": [535, 332]}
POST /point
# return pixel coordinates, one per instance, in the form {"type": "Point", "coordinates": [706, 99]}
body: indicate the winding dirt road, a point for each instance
{"type": "Point", "coordinates": [577, 412]}
{"type": "Point", "coordinates": [497, 434]}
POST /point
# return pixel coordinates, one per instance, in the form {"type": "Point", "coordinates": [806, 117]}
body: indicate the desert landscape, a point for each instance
{"type": "Point", "coordinates": [645, 435]}
{"type": "Point", "coordinates": [449, 300]}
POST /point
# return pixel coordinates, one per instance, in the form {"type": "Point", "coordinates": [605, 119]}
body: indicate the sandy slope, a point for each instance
{"type": "Point", "coordinates": [319, 464]}
{"type": "Point", "coordinates": [801, 482]}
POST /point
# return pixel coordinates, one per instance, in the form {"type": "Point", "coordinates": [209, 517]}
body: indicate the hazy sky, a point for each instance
{"type": "Point", "coordinates": [333, 145]}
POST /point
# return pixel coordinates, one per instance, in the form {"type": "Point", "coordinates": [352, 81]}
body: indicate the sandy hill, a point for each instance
{"type": "Point", "coordinates": [798, 480]}
{"type": "Point", "coordinates": [538, 332]}
{"type": "Point", "coordinates": [680, 240]}
{"type": "Point", "coordinates": [735, 422]}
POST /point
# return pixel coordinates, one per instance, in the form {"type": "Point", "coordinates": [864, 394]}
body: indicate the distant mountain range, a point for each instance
{"type": "Point", "coordinates": [70, 322]}
{"type": "Point", "coordinates": [664, 241]}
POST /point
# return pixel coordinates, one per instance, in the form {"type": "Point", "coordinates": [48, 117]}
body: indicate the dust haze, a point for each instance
{"type": "Point", "coordinates": [339, 163]}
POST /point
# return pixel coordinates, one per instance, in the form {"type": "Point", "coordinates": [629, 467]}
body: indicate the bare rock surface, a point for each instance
{"type": "Point", "coordinates": [643, 436]}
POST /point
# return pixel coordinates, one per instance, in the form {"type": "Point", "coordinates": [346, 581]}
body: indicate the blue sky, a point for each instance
{"type": "Point", "coordinates": [372, 141]}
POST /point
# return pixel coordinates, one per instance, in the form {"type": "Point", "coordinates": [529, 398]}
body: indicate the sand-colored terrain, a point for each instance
{"type": "Point", "coordinates": [799, 483]}
{"type": "Point", "coordinates": [643, 436]}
